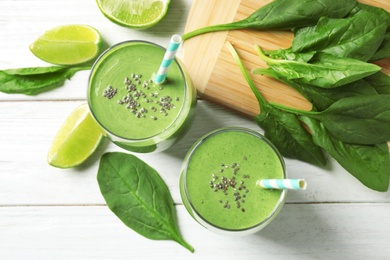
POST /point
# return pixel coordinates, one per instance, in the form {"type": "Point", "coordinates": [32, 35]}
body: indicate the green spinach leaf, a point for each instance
{"type": "Point", "coordinates": [139, 197]}
{"type": "Point", "coordinates": [322, 98]}
{"type": "Point", "coordinates": [356, 120]}
{"type": "Point", "coordinates": [288, 54]}
{"type": "Point", "coordinates": [35, 80]}
{"type": "Point", "coordinates": [285, 14]}
{"type": "Point", "coordinates": [286, 132]}
{"type": "Point", "coordinates": [383, 51]}
{"type": "Point", "coordinates": [380, 82]}
{"type": "Point", "coordinates": [323, 70]}
{"type": "Point", "coordinates": [356, 37]}
{"type": "Point", "coordinates": [370, 164]}
{"type": "Point", "coordinates": [374, 10]}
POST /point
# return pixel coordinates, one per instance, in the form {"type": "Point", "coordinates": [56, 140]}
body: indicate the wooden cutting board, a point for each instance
{"type": "Point", "coordinates": [215, 73]}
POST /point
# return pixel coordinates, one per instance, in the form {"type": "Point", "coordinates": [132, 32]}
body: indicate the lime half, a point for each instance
{"type": "Point", "coordinates": [76, 140]}
{"type": "Point", "coordinates": [68, 44]}
{"type": "Point", "coordinates": [139, 14]}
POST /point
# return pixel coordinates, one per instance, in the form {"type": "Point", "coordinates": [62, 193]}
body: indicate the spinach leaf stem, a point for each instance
{"type": "Point", "coordinates": [256, 92]}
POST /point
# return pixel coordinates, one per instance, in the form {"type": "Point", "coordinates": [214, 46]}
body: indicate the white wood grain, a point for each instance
{"type": "Point", "coordinates": [339, 231]}
{"type": "Point", "coordinates": [49, 213]}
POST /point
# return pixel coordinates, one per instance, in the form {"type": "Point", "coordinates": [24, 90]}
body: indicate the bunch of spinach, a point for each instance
{"type": "Point", "coordinates": [283, 129]}
{"type": "Point", "coordinates": [284, 14]}
{"type": "Point", "coordinates": [138, 196]}
{"type": "Point", "coordinates": [367, 161]}
{"type": "Point", "coordinates": [35, 80]}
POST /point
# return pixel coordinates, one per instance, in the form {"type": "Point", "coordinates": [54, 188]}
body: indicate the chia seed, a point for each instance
{"type": "Point", "coordinates": [109, 92]}
{"type": "Point", "coordinates": [127, 81]}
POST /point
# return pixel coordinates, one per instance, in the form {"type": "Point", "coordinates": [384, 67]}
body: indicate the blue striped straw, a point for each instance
{"type": "Point", "coordinates": [291, 184]}
{"type": "Point", "coordinates": [168, 58]}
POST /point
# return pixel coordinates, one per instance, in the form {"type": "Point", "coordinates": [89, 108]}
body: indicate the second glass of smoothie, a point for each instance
{"type": "Point", "coordinates": [133, 111]}
{"type": "Point", "coordinates": [218, 183]}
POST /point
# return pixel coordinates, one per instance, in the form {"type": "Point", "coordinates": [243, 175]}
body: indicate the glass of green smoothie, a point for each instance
{"type": "Point", "coordinates": [218, 181]}
{"type": "Point", "coordinates": [134, 112]}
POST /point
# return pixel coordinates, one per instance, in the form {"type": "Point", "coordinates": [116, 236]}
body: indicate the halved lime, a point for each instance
{"type": "Point", "coordinates": [68, 44]}
{"type": "Point", "coordinates": [76, 140]}
{"type": "Point", "coordinates": [134, 13]}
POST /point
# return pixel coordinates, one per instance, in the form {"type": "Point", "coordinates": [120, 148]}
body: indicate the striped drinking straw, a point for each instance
{"type": "Point", "coordinates": [292, 184]}
{"type": "Point", "coordinates": [168, 58]}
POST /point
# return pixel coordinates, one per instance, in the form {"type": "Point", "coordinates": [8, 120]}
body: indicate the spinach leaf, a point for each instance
{"type": "Point", "coordinates": [35, 80]}
{"type": "Point", "coordinates": [282, 129]}
{"type": "Point", "coordinates": [139, 197]}
{"type": "Point", "coordinates": [380, 82]}
{"type": "Point", "coordinates": [383, 51]}
{"type": "Point", "coordinates": [357, 120]}
{"type": "Point", "coordinates": [323, 70]}
{"type": "Point", "coordinates": [285, 14]}
{"type": "Point", "coordinates": [370, 164]}
{"type": "Point", "coordinates": [356, 37]}
{"type": "Point", "coordinates": [288, 54]}
{"type": "Point", "coordinates": [374, 10]}
{"type": "Point", "coordinates": [322, 98]}
{"type": "Point", "coordinates": [289, 136]}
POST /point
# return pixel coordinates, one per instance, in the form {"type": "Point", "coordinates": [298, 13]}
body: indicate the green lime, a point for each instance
{"type": "Point", "coordinates": [134, 13]}
{"type": "Point", "coordinates": [76, 140]}
{"type": "Point", "coordinates": [68, 44]}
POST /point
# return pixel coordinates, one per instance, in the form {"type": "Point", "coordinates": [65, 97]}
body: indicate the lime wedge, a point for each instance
{"type": "Point", "coordinates": [68, 44]}
{"type": "Point", "coordinates": [76, 140]}
{"type": "Point", "coordinates": [139, 14]}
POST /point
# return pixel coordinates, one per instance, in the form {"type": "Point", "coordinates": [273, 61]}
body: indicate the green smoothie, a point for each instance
{"type": "Point", "coordinates": [218, 182]}
{"type": "Point", "coordinates": [136, 113]}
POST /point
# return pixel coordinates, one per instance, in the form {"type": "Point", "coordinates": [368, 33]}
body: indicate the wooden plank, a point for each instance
{"type": "Point", "coordinates": [330, 231]}
{"type": "Point", "coordinates": [224, 84]}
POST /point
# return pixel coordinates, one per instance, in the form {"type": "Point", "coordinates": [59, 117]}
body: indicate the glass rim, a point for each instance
{"type": "Point", "coordinates": [192, 150]}
{"type": "Point", "coordinates": [95, 64]}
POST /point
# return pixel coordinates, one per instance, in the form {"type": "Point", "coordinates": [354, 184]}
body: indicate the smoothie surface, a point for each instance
{"type": "Point", "coordinates": [125, 101]}
{"type": "Point", "coordinates": [221, 180]}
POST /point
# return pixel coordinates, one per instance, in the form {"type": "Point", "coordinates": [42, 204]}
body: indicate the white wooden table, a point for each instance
{"type": "Point", "coordinates": [48, 213]}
